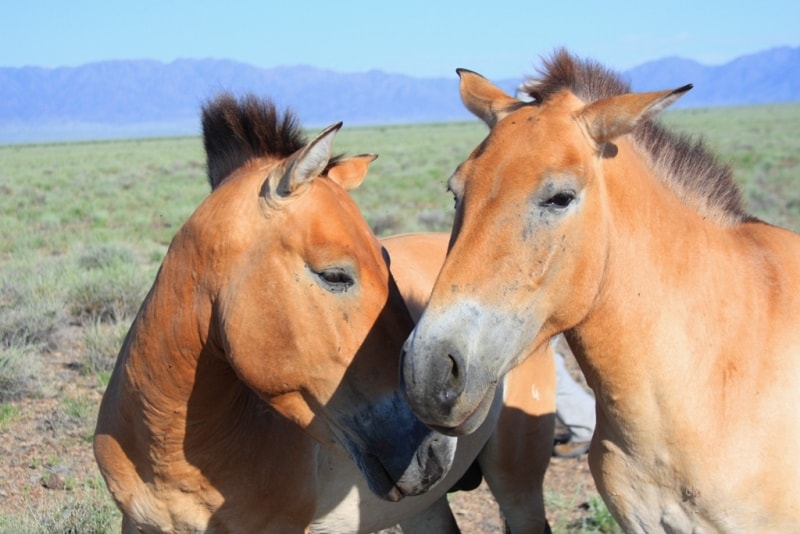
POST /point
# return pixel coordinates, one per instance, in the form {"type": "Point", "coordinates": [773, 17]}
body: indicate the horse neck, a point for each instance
{"type": "Point", "coordinates": [173, 366]}
{"type": "Point", "coordinates": [671, 280]}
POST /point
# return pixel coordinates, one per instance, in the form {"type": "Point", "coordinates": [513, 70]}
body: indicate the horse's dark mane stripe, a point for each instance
{"type": "Point", "coordinates": [236, 131]}
{"type": "Point", "coordinates": [683, 163]}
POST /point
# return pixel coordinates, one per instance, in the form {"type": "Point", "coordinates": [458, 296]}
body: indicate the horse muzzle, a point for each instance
{"type": "Point", "coordinates": [397, 454]}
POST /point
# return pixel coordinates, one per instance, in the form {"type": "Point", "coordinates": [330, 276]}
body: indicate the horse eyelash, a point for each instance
{"type": "Point", "coordinates": [561, 199]}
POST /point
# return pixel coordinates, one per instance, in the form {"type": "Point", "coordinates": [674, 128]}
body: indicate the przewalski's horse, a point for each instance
{"type": "Point", "coordinates": [579, 214]}
{"type": "Point", "coordinates": [274, 298]}
{"type": "Point", "coordinates": [274, 326]}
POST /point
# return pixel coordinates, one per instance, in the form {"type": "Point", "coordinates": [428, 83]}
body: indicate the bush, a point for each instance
{"type": "Point", "coordinates": [103, 341]}
{"type": "Point", "coordinates": [19, 367]}
{"type": "Point", "coordinates": [107, 294]}
{"type": "Point", "coordinates": [89, 510]}
{"type": "Point", "coordinates": [105, 256]}
{"type": "Point", "coordinates": [27, 318]}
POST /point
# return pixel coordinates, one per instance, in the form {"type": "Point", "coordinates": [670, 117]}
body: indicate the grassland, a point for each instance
{"type": "Point", "coordinates": [83, 227]}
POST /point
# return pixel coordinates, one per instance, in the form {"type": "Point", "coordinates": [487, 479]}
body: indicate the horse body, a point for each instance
{"type": "Point", "coordinates": [693, 384]}
{"type": "Point", "coordinates": [578, 215]}
{"type": "Point", "coordinates": [256, 390]}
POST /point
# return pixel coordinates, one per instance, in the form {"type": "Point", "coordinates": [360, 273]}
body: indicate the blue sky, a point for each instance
{"type": "Point", "coordinates": [416, 37]}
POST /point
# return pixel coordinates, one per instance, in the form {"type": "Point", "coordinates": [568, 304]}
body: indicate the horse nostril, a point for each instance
{"type": "Point", "coordinates": [454, 368]}
{"type": "Point", "coordinates": [453, 384]}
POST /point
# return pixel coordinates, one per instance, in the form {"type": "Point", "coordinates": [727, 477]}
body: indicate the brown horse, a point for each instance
{"type": "Point", "coordinates": [257, 388]}
{"type": "Point", "coordinates": [580, 214]}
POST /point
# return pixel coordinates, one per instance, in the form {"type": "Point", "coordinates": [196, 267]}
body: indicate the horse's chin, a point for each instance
{"type": "Point", "coordinates": [427, 468]}
{"type": "Point", "coordinates": [472, 419]}
{"type": "Point", "coordinates": [379, 480]}
{"type": "Point", "coordinates": [397, 454]}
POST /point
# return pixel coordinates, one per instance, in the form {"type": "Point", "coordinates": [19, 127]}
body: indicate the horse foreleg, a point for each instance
{"type": "Point", "coordinates": [517, 454]}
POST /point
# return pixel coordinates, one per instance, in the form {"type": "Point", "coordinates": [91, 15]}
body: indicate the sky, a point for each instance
{"type": "Point", "coordinates": [420, 38]}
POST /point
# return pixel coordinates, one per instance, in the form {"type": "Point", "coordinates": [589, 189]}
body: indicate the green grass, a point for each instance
{"type": "Point", "coordinates": [405, 190]}
{"type": "Point", "coordinates": [8, 414]}
{"type": "Point", "coordinates": [85, 226]}
{"type": "Point", "coordinates": [62, 196]}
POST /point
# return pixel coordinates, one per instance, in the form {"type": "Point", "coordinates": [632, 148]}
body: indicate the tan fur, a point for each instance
{"type": "Point", "coordinates": [685, 324]}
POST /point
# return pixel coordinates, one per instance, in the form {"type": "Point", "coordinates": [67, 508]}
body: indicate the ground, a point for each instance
{"type": "Point", "coordinates": [569, 489]}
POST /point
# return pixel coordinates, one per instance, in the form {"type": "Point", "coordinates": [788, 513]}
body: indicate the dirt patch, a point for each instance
{"type": "Point", "coordinates": [569, 489]}
{"type": "Point", "coordinates": [45, 444]}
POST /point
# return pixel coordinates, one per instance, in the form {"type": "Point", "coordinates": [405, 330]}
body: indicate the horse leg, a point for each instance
{"type": "Point", "coordinates": [436, 518]}
{"type": "Point", "coordinates": [517, 454]}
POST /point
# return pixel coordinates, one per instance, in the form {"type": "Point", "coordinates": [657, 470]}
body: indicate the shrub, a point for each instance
{"type": "Point", "coordinates": [435, 220]}
{"type": "Point", "coordinates": [26, 316]}
{"type": "Point", "coordinates": [86, 509]}
{"type": "Point", "coordinates": [103, 341]}
{"type": "Point", "coordinates": [19, 366]}
{"type": "Point", "coordinates": [385, 223]}
{"type": "Point", "coordinates": [105, 256]}
{"type": "Point", "coordinates": [107, 294]}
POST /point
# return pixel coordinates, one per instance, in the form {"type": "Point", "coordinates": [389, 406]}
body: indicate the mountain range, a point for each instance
{"type": "Point", "coordinates": [146, 98]}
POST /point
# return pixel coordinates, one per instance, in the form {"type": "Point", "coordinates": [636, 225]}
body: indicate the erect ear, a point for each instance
{"type": "Point", "coordinates": [484, 99]}
{"type": "Point", "coordinates": [350, 172]}
{"type": "Point", "coordinates": [613, 117]}
{"type": "Point", "coordinates": [302, 167]}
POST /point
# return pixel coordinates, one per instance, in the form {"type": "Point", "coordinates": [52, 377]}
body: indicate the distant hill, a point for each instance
{"type": "Point", "coordinates": [766, 77]}
{"type": "Point", "coordinates": [144, 98]}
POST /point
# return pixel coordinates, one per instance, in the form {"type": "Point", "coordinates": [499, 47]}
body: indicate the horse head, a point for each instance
{"type": "Point", "coordinates": [526, 254]}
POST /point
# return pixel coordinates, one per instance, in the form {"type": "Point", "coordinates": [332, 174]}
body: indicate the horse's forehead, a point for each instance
{"type": "Point", "coordinates": [535, 128]}
{"type": "Point", "coordinates": [320, 215]}
{"type": "Point", "coordinates": [332, 219]}
{"type": "Point", "coordinates": [330, 203]}
{"type": "Point", "coordinates": [530, 141]}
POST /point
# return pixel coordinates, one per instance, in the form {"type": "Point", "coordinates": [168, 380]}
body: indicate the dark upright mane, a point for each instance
{"type": "Point", "coordinates": [682, 163]}
{"type": "Point", "coordinates": [236, 131]}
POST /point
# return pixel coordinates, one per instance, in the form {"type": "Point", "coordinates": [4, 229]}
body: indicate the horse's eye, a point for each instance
{"type": "Point", "coordinates": [335, 280]}
{"type": "Point", "coordinates": [561, 199]}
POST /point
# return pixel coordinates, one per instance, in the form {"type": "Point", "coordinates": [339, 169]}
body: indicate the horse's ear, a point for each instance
{"type": "Point", "coordinates": [303, 166]}
{"type": "Point", "coordinates": [350, 172]}
{"type": "Point", "coordinates": [484, 99]}
{"type": "Point", "coordinates": [613, 117]}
